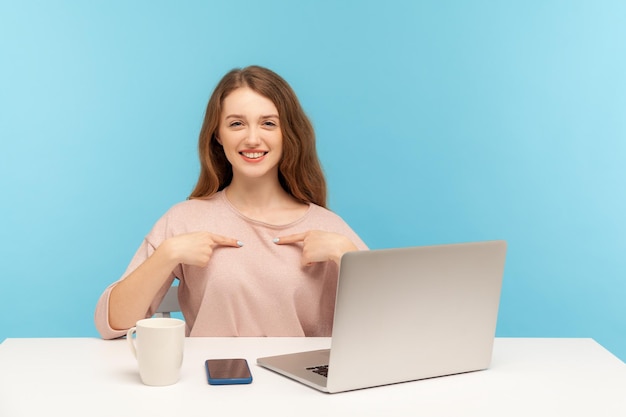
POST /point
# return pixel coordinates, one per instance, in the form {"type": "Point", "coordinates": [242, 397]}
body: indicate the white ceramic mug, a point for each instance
{"type": "Point", "coordinates": [158, 347]}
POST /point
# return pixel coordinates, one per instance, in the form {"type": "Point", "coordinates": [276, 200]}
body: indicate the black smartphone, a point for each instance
{"type": "Point", "coordinates": [228, 371]}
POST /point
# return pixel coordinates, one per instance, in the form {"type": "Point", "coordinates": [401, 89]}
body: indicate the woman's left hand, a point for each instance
{"type": "Point", "coordinates": [319, 246]}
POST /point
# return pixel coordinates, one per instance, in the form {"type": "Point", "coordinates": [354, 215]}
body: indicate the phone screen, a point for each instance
{"type": "Point", "coordinates": [228, 371]}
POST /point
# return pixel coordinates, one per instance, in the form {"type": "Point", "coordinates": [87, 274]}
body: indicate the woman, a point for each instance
{"type": "Point", "coordinates": [254, 248]}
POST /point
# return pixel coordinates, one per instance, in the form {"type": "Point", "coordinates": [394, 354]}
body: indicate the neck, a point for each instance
{"type": "Point", "coordinates": [256, 194]}
{"type": "Point", "coordinates": [265, 201]}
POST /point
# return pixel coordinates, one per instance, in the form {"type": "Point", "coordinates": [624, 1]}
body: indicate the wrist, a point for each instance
{"type": "Point", "coordinates": [166, 255]}
{"type": "Point", "coordinates": [348, 246]}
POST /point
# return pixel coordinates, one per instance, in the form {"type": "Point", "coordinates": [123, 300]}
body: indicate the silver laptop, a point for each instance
{"type": "Point", "coordinates": [406, 314]}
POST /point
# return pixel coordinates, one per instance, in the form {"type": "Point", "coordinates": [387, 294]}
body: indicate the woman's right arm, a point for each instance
{"type": "Point", "coordinates": [131, 297]}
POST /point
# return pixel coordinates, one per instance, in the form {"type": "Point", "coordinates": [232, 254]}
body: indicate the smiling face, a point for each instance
{"type": "Point", "coordinates": [250, 134]}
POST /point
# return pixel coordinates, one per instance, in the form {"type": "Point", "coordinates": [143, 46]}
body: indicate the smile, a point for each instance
{"type": "Point", "coordinates": [253, 155]}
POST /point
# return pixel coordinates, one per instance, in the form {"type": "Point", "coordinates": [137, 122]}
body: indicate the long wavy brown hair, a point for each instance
{"type": "Point", "coordinates": [299, 171]}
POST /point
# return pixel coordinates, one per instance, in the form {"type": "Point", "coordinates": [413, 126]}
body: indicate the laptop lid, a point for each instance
{"type": "Point", "coordinates": [408, 313]}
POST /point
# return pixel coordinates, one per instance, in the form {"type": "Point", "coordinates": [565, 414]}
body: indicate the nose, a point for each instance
{"type": "Point", "coordinates": [253, 138]}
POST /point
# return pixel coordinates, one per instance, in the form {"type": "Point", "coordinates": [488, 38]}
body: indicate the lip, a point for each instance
{"type": "Point", "coordinates": [253, 156]}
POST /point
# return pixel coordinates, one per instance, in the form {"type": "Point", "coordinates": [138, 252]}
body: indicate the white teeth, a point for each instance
{"type": "Point", "coordinates": [253, 155]}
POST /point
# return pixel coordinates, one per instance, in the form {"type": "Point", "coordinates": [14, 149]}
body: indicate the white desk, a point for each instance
{"type": "Point", "coordinates": [92, 377]}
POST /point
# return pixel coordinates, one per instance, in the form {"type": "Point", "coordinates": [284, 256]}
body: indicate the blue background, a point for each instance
{"type": "Point", "coordinates": [437, 122]}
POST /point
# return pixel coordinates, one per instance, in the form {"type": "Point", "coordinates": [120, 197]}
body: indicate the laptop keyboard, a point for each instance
{"type": "Point", "coordinates": [320, 370]}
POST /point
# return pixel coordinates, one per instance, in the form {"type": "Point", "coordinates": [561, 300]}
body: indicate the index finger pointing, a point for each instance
{"type": "Point", "coordinates": [226, 241]}
{"type": "Point", "coordinates": [286, 240]}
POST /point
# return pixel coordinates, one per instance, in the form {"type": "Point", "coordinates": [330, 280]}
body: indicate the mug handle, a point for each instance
{"type": "Point", "coordinates": [129, 337]}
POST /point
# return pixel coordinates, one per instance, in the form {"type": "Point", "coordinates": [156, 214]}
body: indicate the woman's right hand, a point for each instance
{"type": "Point", "coordinates": [131, 297]}
{"type": "Point", "coordinates": [195, 248]}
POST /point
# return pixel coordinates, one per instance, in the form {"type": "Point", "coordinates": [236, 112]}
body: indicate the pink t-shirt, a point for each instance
{"type": "Point", "coordinates": [259, 289]}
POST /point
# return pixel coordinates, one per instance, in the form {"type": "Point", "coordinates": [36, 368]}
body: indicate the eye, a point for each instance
{"type": "Point", "coordinates": [270, 123]}
{"type": "Point", "coordinates": [236, 123]}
